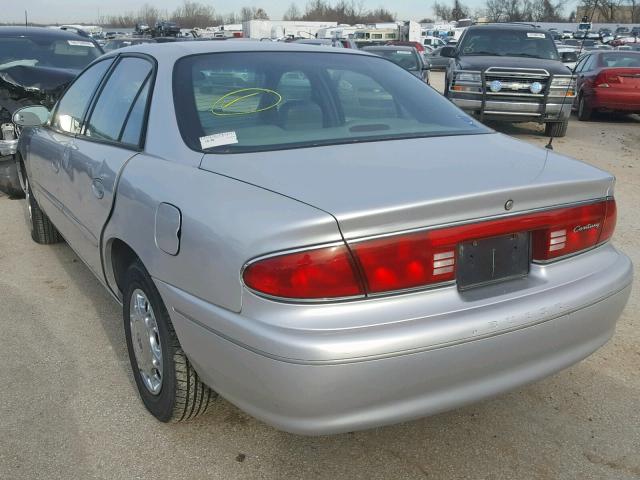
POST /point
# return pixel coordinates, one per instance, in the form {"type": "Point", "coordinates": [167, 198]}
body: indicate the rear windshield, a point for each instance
{"type": "Point", "coordinates": [255, 101]}
{"type": "Point", "coordinates": [57, 53]}
{"type": "Point", "coordinates": [509, 43]}
{"type": "Point", "coordinates": [620, 60]}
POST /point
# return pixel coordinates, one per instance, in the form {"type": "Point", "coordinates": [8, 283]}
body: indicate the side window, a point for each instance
{"type": "Point", "coordinates": [118, 98]}
{"type": "Point", "coordinates": [74, 103]}
{"type": "Point", "coordinates": [591, 63]}
{"type": "Point", "coordinates": [133, 128]}
{"type": "Point", "coordinates": [581, 63]}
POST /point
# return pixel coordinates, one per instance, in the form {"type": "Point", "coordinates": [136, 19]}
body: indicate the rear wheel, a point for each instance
{"type": "Point", "coordinates": [42, 230]}
{"type": "Point", "coordinates": [167, 382]}
{"type": "Point", "coordinates": [556, 129]}
{"type": "Point", "coordinates": [584, 110]}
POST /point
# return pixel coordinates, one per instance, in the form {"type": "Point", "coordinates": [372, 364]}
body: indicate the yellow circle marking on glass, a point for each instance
{"type": "Point", "coordinates": [225, 101]}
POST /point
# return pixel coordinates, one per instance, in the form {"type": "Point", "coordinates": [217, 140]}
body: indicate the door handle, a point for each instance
{"type": "Point", "coordinates": [97, 187]}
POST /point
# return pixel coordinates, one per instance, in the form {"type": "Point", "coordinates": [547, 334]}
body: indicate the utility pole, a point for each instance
{"type": "Point", "coordinates": [26, 22]}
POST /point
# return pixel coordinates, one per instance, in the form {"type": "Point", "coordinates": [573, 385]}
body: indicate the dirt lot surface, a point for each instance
{"type": "Point", "coordinates": [69, 409]}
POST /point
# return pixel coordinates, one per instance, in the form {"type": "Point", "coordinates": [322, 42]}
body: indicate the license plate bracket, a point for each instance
{"type": "Point", "coordinates": [492, 260]}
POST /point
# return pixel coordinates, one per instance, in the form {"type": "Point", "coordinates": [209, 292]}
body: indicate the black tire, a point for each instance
{"type": "Point", "coordinates": [556, 129]}
{"type": "Point", "coordinates": [584, 110]}
{"type": "Point", "coordinates": [182, 396]}
{"type": "Point", "coordinates": [42, 230]}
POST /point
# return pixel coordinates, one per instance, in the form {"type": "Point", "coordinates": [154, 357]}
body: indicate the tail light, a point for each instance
{"type": "Point", "coordinates": [423, 258]}
{"type": "Point", "coordinates": [610, 77]}
{"type": "Point", "coordinates": [327, 272]}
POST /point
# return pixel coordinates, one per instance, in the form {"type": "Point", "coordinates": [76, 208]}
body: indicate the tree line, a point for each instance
{"type": "Point", "coordinates": [194, 14]}
{"type": "Point", "coordinates": [540, 10]}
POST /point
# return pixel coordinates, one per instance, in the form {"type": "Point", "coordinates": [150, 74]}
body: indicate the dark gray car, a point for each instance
{"type": "Point", "coordinates": [436, 61]}
{"type": "Point", "coordinates": [406, 57]}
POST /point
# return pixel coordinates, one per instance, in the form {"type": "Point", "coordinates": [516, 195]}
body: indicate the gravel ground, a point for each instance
{"type": "Point", "coordinates": [69, 409]}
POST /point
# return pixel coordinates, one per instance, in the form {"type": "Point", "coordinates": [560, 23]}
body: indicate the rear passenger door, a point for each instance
{"type": "Point", "coordinates": [113, 133]}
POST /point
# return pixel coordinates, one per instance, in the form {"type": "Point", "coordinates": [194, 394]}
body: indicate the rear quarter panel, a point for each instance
{"type": "Point", "coordinates": [225, 223]}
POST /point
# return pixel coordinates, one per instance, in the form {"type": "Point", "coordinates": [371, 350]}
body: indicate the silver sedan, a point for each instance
{"type": "Point", "coordinates": [317, 236]}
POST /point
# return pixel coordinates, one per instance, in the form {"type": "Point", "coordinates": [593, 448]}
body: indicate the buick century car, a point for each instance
{"type": "Point", "coordinates": [317, 236]}
{"type": "Point", "coordinates": [36, 64]}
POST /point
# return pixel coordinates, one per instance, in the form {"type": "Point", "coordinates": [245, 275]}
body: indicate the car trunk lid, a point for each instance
{"type": "Point", "coordinates": [620, 78]}
{"type": "Point", "coordinates": [383, 187]}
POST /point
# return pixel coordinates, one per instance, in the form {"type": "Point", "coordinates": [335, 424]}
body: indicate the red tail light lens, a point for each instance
{"type": "Point", "coordinates": [419, 259]}
{"type": "Point", "coordinates": [314, 274]}
{"type": "Point", "coordinates": [575, 229]}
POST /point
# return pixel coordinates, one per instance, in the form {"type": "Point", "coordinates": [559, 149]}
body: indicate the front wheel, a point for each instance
{"type": "Point", "coordinates": [167, 382]}
{"type": "Point", "coordinates": [556, 129]}
{"type": "Point", "coordinates": [42, 230]}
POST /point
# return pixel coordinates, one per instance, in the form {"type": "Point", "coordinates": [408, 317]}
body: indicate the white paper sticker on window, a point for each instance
{"type": "Point", "coordinates": [536, 35]}
{"type": "Point", "coordinates": [80, 43]}
{"type": "Point", "coordinates": [403, 52]}
{"type": "Point", "coordinates": [218, 139]}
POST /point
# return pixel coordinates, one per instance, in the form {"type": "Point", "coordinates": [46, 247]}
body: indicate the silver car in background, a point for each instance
{"type": "Point", "coordinates": [317, 236]}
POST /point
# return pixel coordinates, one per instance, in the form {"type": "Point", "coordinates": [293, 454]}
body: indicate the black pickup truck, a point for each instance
{"type": "Point", "coordinates": [512, 73]}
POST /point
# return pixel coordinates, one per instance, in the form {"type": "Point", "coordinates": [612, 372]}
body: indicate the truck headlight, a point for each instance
{"type": "Point", "coordinates": [471, 77]}
{"type": "Point", "coordinates": [564, 86]}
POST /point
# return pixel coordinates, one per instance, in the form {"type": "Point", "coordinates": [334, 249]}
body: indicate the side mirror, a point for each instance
{"type": "Point", "coordinates": [569, 57]}
{"type": "Point", "coordinates": [449, 52]}
{"type": "Point", "coordinates": [31, 116]}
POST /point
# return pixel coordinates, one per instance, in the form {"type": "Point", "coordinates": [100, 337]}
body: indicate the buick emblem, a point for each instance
{"type": "Point", "coordinates": [508, 205]}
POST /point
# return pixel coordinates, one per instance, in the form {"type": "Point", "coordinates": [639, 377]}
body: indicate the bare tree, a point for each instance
{"type": "Point", "coordinates": [253, 13]}
{"type": "Point", "coordinates": [194, 14]}
{"type": "Point", "coordinates": [345, 11]}
{"type": "Point", "coordinates": [292, 13]}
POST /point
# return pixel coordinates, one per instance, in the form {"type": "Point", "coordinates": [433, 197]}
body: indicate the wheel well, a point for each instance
{"type": "Point", "coordinates": [122, 256]}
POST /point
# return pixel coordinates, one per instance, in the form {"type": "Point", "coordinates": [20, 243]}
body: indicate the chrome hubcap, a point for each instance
{"type": "Point", "coordinates": [145, 338]}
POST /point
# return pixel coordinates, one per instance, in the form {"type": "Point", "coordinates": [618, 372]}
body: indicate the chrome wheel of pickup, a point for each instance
{"type": "Point", "coordinates": [146, 341]}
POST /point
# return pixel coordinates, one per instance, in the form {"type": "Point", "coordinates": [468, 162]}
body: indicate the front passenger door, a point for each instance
{"type": "Point", "coordinates": [111, 136]}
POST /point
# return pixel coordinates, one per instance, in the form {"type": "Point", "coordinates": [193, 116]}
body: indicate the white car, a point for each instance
{"type": "Point", "coordinates": [434, 42]}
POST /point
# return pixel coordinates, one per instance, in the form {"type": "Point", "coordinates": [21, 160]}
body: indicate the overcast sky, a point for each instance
{"type": "Point", "coordinates": [66, 11]}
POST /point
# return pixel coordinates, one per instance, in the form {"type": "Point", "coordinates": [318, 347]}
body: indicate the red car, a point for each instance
{"type": "Point", "coordinates": [608, 81]}
{"type": "Point", "coordinates": [417, 45]}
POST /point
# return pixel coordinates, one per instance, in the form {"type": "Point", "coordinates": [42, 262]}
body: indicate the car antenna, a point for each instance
{"type": "Point", "coordinates": [566, 92]}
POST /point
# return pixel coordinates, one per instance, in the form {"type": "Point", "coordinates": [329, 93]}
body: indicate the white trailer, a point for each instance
{"type": "Point", "coordinates": [281, 28]}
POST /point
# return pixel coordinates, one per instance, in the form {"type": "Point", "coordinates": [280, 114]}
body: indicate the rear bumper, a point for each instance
{"type": "Point", "coordinates": [606, 98]}
{"type": "Point", "coordinates": [514, 111]}
{"type": "Point", "coordinates": [465, 353]}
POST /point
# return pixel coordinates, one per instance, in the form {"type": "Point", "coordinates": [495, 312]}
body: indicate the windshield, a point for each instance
{"type": "Point", "coordinates": [405, 58]}
{"type": "Point", "coordinates": [255, 101]}
{"type": "Point", "coordinates": [57, 53]}
{"type": "Point", "coordinates": [509, 43]}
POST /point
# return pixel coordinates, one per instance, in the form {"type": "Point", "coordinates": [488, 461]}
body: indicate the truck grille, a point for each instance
{"type": "Point", "coordinates": [516, 81]}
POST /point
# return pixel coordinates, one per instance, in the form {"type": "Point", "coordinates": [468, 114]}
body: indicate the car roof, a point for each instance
{"type": "Point", "coordinates": [172, 51]}
{"type": "Point", "coordinates": [507, 26]}
{"type": "Point", "coordinates": [41, 32]}
{"type": "Point", "coordinates": [402, 48]}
